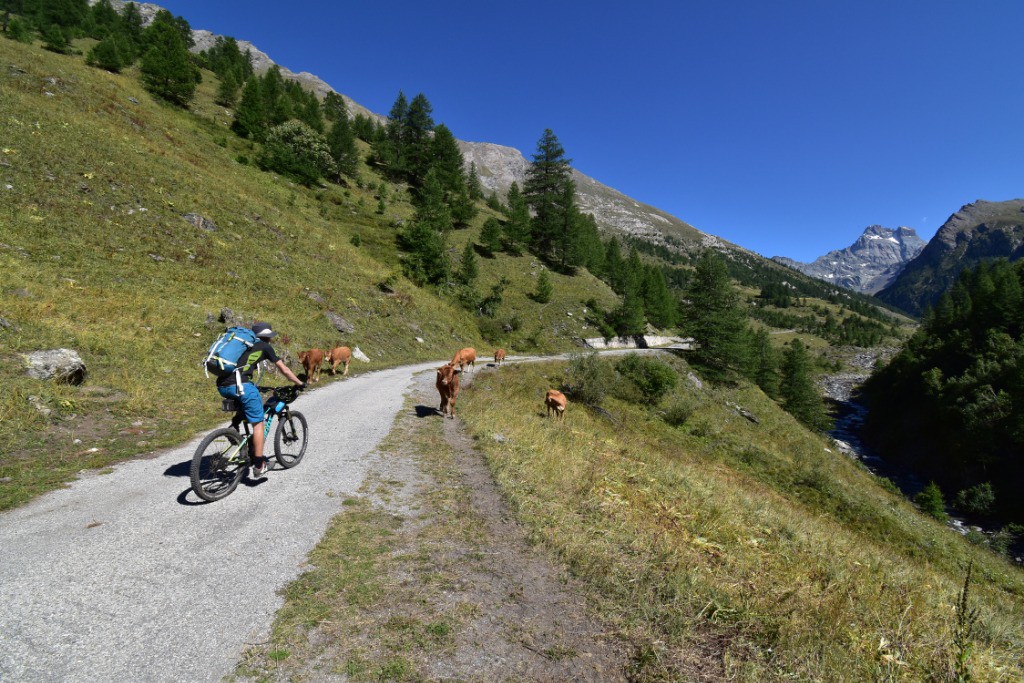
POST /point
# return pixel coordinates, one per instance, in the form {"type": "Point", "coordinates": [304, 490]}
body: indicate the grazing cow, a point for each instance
{"type": "Point", "coordinates": [312, 360]}
{"type": "Point", "coordinates": [448, 387]}
{"type": "Point", "coordinates": [464, 357]}
{"type": "Point", "coordinates": [555, 400]}
{"type": "Point", "coordinates": [338, 355]}
{"type": "Point", "coordinates": [499, 356]}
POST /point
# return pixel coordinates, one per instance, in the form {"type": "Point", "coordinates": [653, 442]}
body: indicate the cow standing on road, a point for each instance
{"type": "Point", "coordinates": [464, 357]}
{"type": "Point", "coordinates": [499, 356]}
{"type": "Point", "coordinates": [337, 356]}
{"type": "Point", "coordinates": [448, 387]}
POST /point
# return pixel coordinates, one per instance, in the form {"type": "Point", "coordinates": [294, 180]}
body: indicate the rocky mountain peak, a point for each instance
{"type": "Point", "coordinates": [873, 261]}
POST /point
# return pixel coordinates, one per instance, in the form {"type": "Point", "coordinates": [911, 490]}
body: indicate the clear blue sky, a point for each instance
{"type": "Point", "coordinates": [786, 127]}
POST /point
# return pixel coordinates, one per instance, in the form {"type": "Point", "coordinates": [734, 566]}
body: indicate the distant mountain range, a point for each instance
{"type": "Point", "coordinates": [869, 264]}
{"type": "Point", "coordinates": [980, 231]}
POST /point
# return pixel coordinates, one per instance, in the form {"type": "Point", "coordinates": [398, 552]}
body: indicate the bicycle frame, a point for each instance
{"type": "Point", "coordinates": [269, 411]}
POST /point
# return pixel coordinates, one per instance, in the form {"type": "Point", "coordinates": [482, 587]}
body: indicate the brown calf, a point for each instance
{"type": "Point", "coordinates": [555, 400]}
{"type": "Point", "coordinates": [499, 356]}
{"type": "Point", "coordinates": [448, 387]}
{"type": "Point", "coordinates": [337, 356]}
{"type": "Point", "coordinates": [311, 361]}
{"type": "Point", "coordinates": [464, 357]}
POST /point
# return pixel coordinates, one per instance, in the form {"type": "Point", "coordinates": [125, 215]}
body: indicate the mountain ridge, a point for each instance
{"type": "Point", "coordinates": [980, 231]}
{"type": "Point", "coordinates": [870, 264]}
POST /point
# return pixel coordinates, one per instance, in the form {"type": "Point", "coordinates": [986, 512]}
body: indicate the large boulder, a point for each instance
{"type": "Point", "coordinates": [339, 323]}
{"type": "Point", "coordinates": [60, 365]}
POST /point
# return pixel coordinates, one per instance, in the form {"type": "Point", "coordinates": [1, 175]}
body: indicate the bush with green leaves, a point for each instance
{"type": "Point", "coordinates": [976, 500]}
{"type": "Point", "coordinates": [544, 288]}
{"type": "Point", "coordinates": [588, 379]}
{"type": "Point", "coordinates": [931, 502]}
{"type": "Point", "coordinates": [651, 378]}
{"type": "Point", "coordinates": [295, 150]}
{"type": "Point", "coordinates": [679, 411]}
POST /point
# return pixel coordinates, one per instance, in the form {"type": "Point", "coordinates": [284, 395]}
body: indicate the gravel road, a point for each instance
{"type": "Point", "coordinates": [125, 576]}
{"type": "Point", "coordinates": [128, 576]}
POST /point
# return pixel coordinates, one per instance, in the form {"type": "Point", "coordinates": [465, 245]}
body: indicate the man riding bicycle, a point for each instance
{"type": "Point", "coordinates": [242, 389]}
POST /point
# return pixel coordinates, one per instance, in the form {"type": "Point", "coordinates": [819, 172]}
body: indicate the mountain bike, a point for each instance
{"type": "Point", "coordinates": [225, 454]}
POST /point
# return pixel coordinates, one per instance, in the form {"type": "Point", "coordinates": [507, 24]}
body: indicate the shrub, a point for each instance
{"type": "Point", "coordinates": [651, 377]}
{"type": "Point", "coordinates": [587, 379]}
{"type": "Point", "coordinates": [977, 500]}
{"type": "Point", "coordinates": [931, 502]}
{"type": "Point", "coordinates": [295, 150]}
{"type": "Point", "coordinates": [679, 411]}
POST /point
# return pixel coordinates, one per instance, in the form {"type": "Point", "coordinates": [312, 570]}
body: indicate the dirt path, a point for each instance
{"type": "Point", "coordinates": [463, 594]}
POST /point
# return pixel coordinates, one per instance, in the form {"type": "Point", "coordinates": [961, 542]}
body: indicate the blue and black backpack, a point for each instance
{"type": "Point", "coordinates": [222, 359]}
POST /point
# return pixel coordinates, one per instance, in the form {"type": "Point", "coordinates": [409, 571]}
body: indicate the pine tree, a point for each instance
{"type": "Point", "coordinates": [227, 90]}
{"type": "Point", "coordinates": [18, 30]}
{"type": "Point", "coordinates": [167, 68]}
{"type": "Point", "coordinates": [55, 39]}
{"type": "Point", "coordinates": [449, 166]}
{"type": "Point", "coordinates": [517, 229]}
{"type": "Point", "coordinates": [250, 116]}
{"type": "Point", "coordinates": [131, 24]}
{"type": "Point", "coordinates": [548, 179]}
{"type": "Point", "coordinates": [800, 397]}
{"type": "Point", "coordinates": [659, 304]}
{"type": "Point", "coordinates": [342, 141]}
{"type": "Point", "coordinates": [103, 19]}
{"type": "Point", "coordinates": [390, 150]}
{"type": "Point", "coordinates": [490, 235]}
{"type": "Point", "coordinates": [764, 363]}
{"type": "Point", "coordinates": [476, 189]}
{"type": "Point", "coordinates": [109, 54]}
{"type": "Point", "coordinates": [714, 318]}
{"type": "Point", "coordinates": [468, 269]}
{"type": "Point", "coordinates": [418, 125]}
{"type": "Point", "coordinates": [545, 289]}
{"type": "Point", "coordinates": [426, 260]}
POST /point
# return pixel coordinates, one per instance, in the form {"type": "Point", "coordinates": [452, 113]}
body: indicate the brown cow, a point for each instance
{"type": "Point", "coordinates": [464, 357]}
{"type": "Point", "coordinates": [312, 360]}
{"type": "Point", "coordinates": [499, 356]}
{"type": "Point", "coordinates": [448, 387]}
{"type": "Point", "coordinates": [555, 400]}
{"type": "Point", "coordinates": [338, 355]}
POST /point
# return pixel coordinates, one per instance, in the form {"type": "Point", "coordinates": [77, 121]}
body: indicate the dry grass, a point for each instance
{"type": "Point", "coordinates": [751, 540]}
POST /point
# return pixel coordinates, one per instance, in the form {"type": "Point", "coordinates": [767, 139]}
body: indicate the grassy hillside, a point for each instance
{"type": "Point", "coordinates": [755, 545]}
{"type": "Point", "coordinates": [96, 177]}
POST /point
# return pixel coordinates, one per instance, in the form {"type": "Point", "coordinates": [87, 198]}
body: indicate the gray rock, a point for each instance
{"type": "Point", "coordinates": [37, 403]}
{"type": "Point", "coordinates": [499, 438]}
{"type": "Point", "coordinates": [61, 365]}
{"type": "Point", "coordinates": [200, 222]}
{"type": "Point", "coordinates": [8, 325]}
{"type": "Point", "coordinates": [339, 323]}
{"type": "Point", "coordinates": [315, 296]}
{"type": "Point", "coordinates": [359, 355]}
{"type": "Point", "coordinates": [231, 319]}
{"type": "Point", "coordinates": [695, 380]}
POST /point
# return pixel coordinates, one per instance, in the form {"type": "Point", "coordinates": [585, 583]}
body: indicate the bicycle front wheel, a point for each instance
{"type": "Point", "coordinates": [290, 439]}
{"type": "Point", "coordinates": [218, 465]}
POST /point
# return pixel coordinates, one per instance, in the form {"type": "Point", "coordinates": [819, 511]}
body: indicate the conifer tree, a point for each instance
{"type": "Point", "coordinates": [390, 149]}
{"type": "Point", "coordinates": [490, 236]}
{"type": "Point", "coordinates": [476, 189]}
{"type": "Point", "coordinates": [714, 318]}
{"type": "Point", "coordinates": [517, 229]}
{"type": "Point", "coordinates": [103, 19]}
{"type": "Point", "coordinates": [468, 269]}
{"type": "Point", "coordinates": [167, 68]}
{"type": "Point", "coordinates": [342, 141]}
{"type": "Point", "coordinates": [659, 304]}
{"type": "Point", "coordinates": [545, 289]}
{"type": "Point", "coordinates": [764, 363]}
{"type": "Point", "coordinates": [548, 179]}
{"type": "Point", "coordinates": [426, 260]}
{"type": "Point", "coordinates": [364, 128]}
{"type": "Point", "coordinates": [131, 24]}
{"type": "Point", "coordinates": [110, 54]}
{"type": "Point", "coordinates": [18, 30]}
{"type": "Point", "coordinates": [445, 158]}
{"type": "Point", "coordinates": [227, 90]}
{"type": "Point", "coordinates": [419, 124]}
{"type": "Point", "coordinates": [800, 397]}
{"type": "Point", "coordinates": [55, 39]}
{"type": "Point", "coordinates": [250, 116]}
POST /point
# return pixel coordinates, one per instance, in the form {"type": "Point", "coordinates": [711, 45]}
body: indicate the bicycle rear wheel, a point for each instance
{"type": "Point", "coordinates": [290, 439]}
{"type": "Point", "coordinates": [218, 465]}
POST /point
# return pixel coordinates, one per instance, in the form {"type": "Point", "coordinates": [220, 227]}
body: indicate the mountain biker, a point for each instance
{"type": "Point", "coordinates": [243, 390]}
